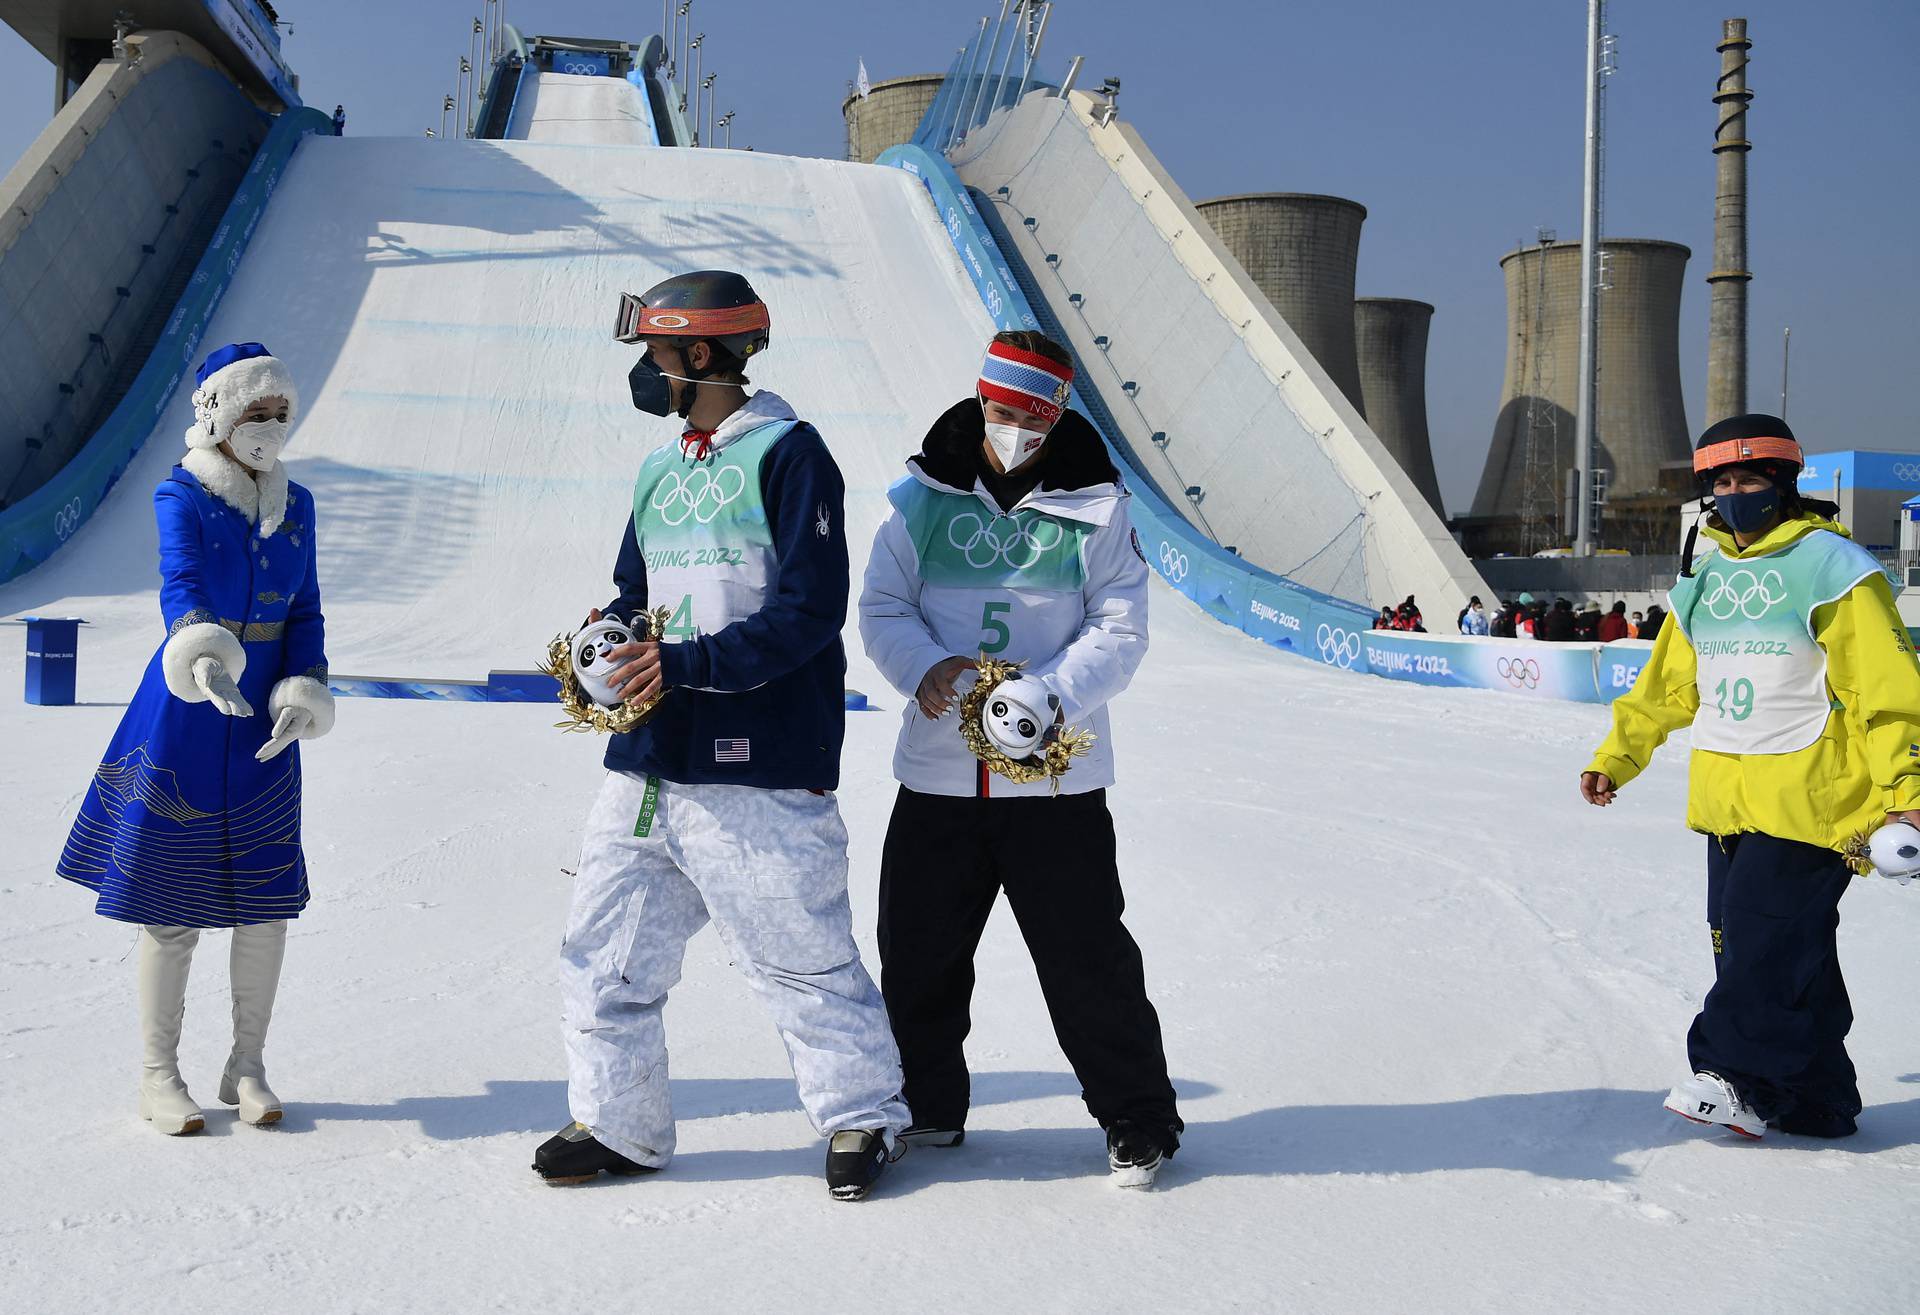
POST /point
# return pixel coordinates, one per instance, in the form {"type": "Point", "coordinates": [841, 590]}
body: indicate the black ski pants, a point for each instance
{"type": "Point", "coordinates": [945, 861]}
{"type": "Point", "coordinates": [1775, 1023]}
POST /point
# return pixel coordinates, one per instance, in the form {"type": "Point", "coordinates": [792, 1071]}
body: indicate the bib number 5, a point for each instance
{"type": "Point", "coordinates": [995, 634]}
{"type": "Point", "coordinates": [1741, 696]}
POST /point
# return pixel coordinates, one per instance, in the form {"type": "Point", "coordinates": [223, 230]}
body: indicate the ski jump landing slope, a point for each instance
{"type": "Point", "coordinates": [447, 308]}
{"type": "Point", "coordinates": [582, 110]}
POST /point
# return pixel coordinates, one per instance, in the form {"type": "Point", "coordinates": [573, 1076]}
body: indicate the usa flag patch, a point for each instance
{"type": "Point", "coordinates": [732, 751]}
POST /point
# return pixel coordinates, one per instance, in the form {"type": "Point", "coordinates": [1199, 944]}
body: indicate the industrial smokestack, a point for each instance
{"type": "Point", "coordinates": [1727, 308]}
{"type": "Point", "coordinates": [1390, 338]}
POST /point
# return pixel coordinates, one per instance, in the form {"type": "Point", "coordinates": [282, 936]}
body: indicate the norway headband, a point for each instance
{"type": "Point", "coordinates": [1025, 380]}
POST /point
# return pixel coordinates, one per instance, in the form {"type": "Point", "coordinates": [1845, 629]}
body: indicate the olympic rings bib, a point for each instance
{"type": "Point", "coordinates": [702, 528]}
{"type": "Point", "coordinates": [963, 543]}
{"type": "Point", "coordinates": [1762, 677]}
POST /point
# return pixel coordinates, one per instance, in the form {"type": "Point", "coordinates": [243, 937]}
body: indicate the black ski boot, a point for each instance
{"type": "Point", "coordinates": [929, 1135]}
{"type": "Point", "coordinates": [855, 1161]}
{"type": "Point", "coordinates": [572, 1156]}
{"type": "Point", "coordinates": [1816, 1121]}
{"type": "Point", "coordinates": [1134, 1155]}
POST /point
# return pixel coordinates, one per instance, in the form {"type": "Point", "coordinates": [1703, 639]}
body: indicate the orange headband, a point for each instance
{"type": "Point", "coordinates": [1736, 451]}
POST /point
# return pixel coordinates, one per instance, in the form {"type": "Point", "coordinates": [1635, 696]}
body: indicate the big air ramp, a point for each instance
{"type": "Point", "coordinates": [582, 110]}
{"type": "Point", "coordinates": [446, 309]}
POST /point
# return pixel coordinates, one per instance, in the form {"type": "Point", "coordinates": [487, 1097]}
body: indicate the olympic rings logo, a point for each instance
{"type": "Point", "coordinates": [1521, 673]}
{"type": "Point", "coordinates": [1173, 562]}
{"type": "Point", "coordinates": [1019, 546]}
{"type": "Point", "coordinates": [1740, 591]}
{"type": "Point", "coordinates": [1908, 471]}
{"type": "Point", "coordinates": [66, 520]}
{"type": "Point", "coordinates": [700, 494]}
{"type": "Point", "coordinates": [1338, 647]}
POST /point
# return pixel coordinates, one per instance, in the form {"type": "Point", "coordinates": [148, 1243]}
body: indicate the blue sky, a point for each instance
{"type": "Point", "coordinates": [1458, 126]}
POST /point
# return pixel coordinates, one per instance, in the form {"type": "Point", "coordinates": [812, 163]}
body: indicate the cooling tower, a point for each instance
{"type": "Point", "coordinates": [1300, 250]}
{"type": "Point", "coordinates": [888, 115]}
{"type": "Point", "coordinates": [1640, 421]}
{"type": "Point", "coordinates": [1390, 342]}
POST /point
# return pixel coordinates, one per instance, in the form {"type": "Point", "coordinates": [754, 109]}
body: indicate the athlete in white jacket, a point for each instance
{"type": "Point", "coordinates": [1009, 536]}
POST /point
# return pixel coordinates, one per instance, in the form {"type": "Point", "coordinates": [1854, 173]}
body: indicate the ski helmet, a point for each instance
{"type": "Point", "coordinates": [1895, 851]}
{"type": "Point", "coordinates": [1758, 442]}
{"type": "Point", "coordinates": [1019, 713]}
{"type": "Point", "coordinates": [591, 665]}
{"type": "Point", "coordinates": [712, 305]}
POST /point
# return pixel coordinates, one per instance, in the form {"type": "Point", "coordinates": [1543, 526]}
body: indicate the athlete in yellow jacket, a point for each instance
{"type": "Point", "coordinates": [1785, 655]}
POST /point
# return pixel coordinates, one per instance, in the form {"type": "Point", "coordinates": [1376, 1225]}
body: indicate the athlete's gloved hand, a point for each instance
{"type": "Point", "coordinates": [939, 687]}
{"type": "Point", "coordinates": [292, 724]}
{"type": "Point", "coordinates": [211, 678]}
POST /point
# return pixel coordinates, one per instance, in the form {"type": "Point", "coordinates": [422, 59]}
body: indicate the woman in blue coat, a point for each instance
{"type": "Point", "coordinates": [193, 818]}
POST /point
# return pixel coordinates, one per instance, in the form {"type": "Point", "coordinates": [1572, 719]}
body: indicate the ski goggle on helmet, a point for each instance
{"type": "Point", "coordinates": [1760, 442]}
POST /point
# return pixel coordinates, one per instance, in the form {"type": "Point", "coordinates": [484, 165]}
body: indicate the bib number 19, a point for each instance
{"type": "Point", "coordinates": [1736, 702]}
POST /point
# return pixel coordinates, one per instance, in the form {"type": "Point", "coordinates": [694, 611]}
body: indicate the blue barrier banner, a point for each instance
{"type": "Point", "coordinates": [1338, 636]}
{"type": "Point", "coordinates": [32, 529]}
{"type": "Point", "coordinates": [1620, 665]}
{"type": "Point", "coordinates": [1509, 666]}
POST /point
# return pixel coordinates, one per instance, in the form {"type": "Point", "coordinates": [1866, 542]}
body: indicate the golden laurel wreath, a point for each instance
{"type": "Point", "coordinates": [1858, 853]}
{"type": "Point", "coordinates": [583, 714]}
{"type": "Point", "coordinates": [1055, 755]}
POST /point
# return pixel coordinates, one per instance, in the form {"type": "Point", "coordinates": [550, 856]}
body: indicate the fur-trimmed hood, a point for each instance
{"type": "Point", "coordinates": [1077, 477]}
{"type": "Point", "coordinates": [261, 498]}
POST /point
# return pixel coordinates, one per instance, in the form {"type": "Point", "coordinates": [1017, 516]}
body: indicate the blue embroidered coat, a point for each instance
{"type": "Point", "coordinates": [180, 826]}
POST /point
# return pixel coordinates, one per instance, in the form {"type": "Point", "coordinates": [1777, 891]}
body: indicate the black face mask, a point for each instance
{"type": "Point", "coordinates": [651, 391]}
{"type": "Point", "coordinates": [1748, 513]}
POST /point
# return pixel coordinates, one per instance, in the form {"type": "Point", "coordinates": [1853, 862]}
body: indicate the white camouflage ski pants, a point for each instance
{"type": "Point", "coordinates": [769, 867]}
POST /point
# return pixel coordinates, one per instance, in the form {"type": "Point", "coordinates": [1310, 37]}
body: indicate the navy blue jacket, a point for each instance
{"type": "Point", "coordinates": [782, 671]}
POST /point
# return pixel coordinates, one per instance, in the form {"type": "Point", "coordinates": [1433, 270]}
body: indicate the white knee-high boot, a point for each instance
{"type": "Point", "coordinates": [166, 955]}
{"type": "Point", "coordinates": [257, 954]}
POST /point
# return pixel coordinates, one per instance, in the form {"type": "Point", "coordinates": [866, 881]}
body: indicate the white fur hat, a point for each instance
{"type": "Point", "coordinates": [231, 380]}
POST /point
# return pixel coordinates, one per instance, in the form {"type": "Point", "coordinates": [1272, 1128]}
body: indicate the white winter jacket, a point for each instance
{"type": "Point", "coordinates": [1056, 582]}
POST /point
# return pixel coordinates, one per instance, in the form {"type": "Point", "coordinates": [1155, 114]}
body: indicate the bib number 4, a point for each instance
{"type": "Point", "coordinates": [1734, 699]}
{"type": "Point", "coordinates": [680, 626]}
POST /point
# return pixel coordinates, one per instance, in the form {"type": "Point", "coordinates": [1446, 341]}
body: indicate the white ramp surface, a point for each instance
{"type": "Point", "coordinates": [447, 311]}
{"type": "Point", "coordinates": [581, 110]}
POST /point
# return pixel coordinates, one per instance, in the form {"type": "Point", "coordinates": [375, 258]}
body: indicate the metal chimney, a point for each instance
{"type": "Point", "coordinates": [1727, 307]}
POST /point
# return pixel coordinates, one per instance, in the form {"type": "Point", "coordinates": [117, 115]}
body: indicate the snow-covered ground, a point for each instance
{"type": "Point", "coordinates": [1421, 1006]}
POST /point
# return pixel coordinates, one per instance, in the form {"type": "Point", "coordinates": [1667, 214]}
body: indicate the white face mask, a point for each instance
{"type": "Point", "coordinates": [1013, 445]}
{"type": "Point", "coordinates": [257, 443]}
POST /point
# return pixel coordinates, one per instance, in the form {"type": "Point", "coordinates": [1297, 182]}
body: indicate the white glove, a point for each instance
{"type": "Point", "coordinates": [211, 678]}
{"type": "Point", "coordinates": [292, 724]}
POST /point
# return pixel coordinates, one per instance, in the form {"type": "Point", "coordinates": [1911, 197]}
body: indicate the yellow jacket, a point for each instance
{"type": "Point", "coordinates": [1866, 762]}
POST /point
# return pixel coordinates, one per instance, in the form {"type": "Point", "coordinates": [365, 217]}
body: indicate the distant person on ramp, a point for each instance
{"type": "Point", "coordinates": [720, 805]}
{"type": "Point", "coordinates": [1009, 541]}
{"type": "Point", "coordinates": [193, 819]}
{"type": "Point", "coordinates": [1784, 653]}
